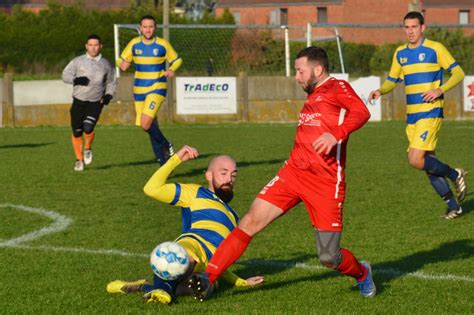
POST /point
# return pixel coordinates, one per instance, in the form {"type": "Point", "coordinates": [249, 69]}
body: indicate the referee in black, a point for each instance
{"type": "Point", "coordinates": [94, 81]}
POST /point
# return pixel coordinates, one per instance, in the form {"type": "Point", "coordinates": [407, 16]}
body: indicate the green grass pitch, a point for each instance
{"type": "Point", "coordinates": [106, 227]}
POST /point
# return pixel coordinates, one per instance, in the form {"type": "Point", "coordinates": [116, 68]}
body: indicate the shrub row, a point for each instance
{"type": "Point", "coordinates": [45, 42]}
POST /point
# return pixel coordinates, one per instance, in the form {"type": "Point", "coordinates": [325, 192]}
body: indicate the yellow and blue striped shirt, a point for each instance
{"type": "Point", "coordinates": [150, 65]}
{"type": "Point", "coordinates": [205, 217]}
{"type": "Point", "coordinates": [422, 70]}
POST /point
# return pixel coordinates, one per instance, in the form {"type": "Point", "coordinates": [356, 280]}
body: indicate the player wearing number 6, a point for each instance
{"type": "Point", "coordinates": [150, 54]}
{"type": "Point", "coordinates": [420, 64]}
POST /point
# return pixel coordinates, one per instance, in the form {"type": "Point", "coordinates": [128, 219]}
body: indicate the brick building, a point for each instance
{"type": "Point", "coordinates": [299, 12]}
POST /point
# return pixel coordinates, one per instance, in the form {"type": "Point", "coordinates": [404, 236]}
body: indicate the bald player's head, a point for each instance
{"type": "Point", "coordinates": [221, 174]}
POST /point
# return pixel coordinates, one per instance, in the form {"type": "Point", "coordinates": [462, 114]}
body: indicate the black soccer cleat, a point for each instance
{"type": "Point", "coordinates": [168, 151]}
{"type": "Point", "coordinates": [201, 286]}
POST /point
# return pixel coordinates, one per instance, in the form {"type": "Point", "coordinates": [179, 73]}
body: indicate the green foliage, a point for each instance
{"type": "Point", "coordinates": [422, 263]}
{"type": "Point", "coordinates": [460, 46]}
{"type": "Point", "coordinates": [381, 59]}
{"type": "Point", "coordinates": [38, 43]}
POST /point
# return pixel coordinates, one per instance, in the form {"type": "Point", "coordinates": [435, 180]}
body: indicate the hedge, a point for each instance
{"type": "Point", "coordinates": [39, 43]}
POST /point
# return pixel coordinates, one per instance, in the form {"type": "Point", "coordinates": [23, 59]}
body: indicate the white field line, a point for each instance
{"type": "Point", "coordinates": [390, 272]}
{"type": "Point", "coordinates": [61, 222]}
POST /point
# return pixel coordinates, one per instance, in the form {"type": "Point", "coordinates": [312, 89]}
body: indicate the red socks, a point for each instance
{"type": "Point", "coordinates": [350, 266]}
{"type": "Point", "coordinates": [227, 253]}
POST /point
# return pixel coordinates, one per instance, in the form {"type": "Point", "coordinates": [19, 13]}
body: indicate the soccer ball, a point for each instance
{"type": "Point", "coordinates": [169, 261]}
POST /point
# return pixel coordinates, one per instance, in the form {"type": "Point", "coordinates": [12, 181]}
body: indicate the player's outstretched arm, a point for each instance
{"type": "Point", "coordinates": [232, 278]}
{"type": "Point", "coordinates": [156, 187]}
{"type": "Point", "coordinates": [187, 153]}
{"type": "Point", "coordinates": [252, 281]}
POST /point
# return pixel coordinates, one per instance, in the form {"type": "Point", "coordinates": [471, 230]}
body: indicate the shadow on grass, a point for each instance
{"type": "Point", "coordinates": [384, 272]}
{"type": "Point", "coordinates": [136, 163]}
{"type": "Point", "coordinates": [468, 205]}
{"type": "Point", "coordinates": [193, 172]}
{"type": "Point", "coordinates": [25, 145]}
{"type": "Point", "coordinates": [264, 267]}
{"type": "Point", "coordinates": [199, 171]}
{"type": "Point", "coordinates": [390, 270]}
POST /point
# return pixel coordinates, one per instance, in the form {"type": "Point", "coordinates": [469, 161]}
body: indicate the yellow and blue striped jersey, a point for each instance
{"type": "Point", "coordinates": [150, 65]}
{"type": "Point", "coordinates": [422, 70]}
{"type": "Point", "coordinates": [205, 217]}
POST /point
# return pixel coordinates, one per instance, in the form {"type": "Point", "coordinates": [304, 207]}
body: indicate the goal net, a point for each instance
{"type": "Point", "coordinates": [219, 50]}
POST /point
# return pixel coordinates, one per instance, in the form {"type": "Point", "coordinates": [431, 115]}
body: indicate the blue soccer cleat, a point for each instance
{"type": "Point", "coordinates": [367, 287]}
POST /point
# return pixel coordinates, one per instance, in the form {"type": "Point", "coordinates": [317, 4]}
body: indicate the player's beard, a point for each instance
{"type": "Point", "coordinates": [310, 84]}
{"type": "Point", "coordinates": [224, 192]}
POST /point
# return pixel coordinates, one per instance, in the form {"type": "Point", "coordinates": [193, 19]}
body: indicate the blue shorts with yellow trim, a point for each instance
{"type": "Point", "coordinates": [423, 135]}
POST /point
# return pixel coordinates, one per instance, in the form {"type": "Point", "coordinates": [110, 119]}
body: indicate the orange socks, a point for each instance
{"type": "Point", "coordinates": [77, 145]}
{"type": "Point", "coordinates": [89, 140]}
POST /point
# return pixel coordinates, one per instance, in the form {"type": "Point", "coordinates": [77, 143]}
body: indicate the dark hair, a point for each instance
{"type": "Point", "coordinates": [147, 17]}
{"type": "Point", "coordinates": [415, 15]}
{"type": "Point", "coordinates": [94, 36]}
{"type": "Point", "coordinates": [316, 55]}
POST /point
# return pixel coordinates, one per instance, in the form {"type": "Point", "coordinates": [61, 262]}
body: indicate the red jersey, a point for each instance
{"type": "Point", "coordinates": [332, 107]}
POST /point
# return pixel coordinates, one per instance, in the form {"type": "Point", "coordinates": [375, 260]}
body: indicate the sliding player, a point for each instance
{"type": "Point", "coordinates": [207, 220]}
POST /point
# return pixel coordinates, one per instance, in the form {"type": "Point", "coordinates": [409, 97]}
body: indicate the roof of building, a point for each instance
{"type": "Point", "coordinates": [448, 4]}
{"type": "Point", "coordinates": [103, 4]}
{"type": "Point", "coordinates": [260, 3]}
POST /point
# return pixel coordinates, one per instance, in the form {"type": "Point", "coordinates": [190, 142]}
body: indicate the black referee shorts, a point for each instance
{"type": "Point", "coordinates": [84, 116]}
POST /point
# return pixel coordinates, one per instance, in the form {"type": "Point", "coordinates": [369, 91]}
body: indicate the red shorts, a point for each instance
{"type": "Point", "coordinates": [322, 197]}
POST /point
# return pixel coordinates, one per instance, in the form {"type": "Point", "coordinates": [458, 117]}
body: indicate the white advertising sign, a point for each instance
{"type": "Point", "coordinates": [363, 87]}
{"type": "Point", "coordinates": [206, 95]}
{"type": "Point", "coordinates": [468, 92]}
{"type": "Point", "coordinates": [41, 92]}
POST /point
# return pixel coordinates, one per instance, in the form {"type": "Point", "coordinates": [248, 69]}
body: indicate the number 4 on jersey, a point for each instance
{"type": "Point", "coordinates": [424, 135]}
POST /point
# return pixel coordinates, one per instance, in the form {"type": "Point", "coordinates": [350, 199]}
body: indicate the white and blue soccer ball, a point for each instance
{"type": "Point", "coordinates": [169, 261]}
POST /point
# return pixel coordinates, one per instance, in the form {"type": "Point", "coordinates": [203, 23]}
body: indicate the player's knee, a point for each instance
{"type": "Point", "coordinates": [146, 126]}
{"type": "Point", "coordinates": [77, 132]}
{"type": "Point", "coordinates": [251, 224]}
{"type": "Point", "coordinates": [88, 128]}
{"type": "Point", "coordinates": [146, 122]}
{"type": "Point", "coordinates": [330, 260]}
{"type": "Point", "coordinates": [416, 162]}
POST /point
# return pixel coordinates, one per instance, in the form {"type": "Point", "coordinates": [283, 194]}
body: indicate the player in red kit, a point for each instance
{"type": "Point", "coordinates": [314, 175]}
